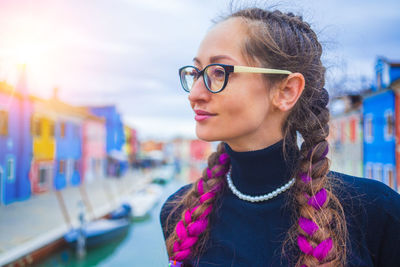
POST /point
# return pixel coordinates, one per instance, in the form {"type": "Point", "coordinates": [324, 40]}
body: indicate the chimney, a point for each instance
{"type": "Point", "coordinates": [55, 93]}
{"type": "Point", "coordinates": [22, 82]}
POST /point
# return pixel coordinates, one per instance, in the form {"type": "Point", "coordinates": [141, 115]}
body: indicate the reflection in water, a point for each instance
{"type": "Point", "coordinates": [94, 256]}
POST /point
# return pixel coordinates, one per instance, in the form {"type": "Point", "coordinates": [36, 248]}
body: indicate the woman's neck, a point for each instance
{"type": "Point", "coordinates": [261, 171]}
{"type": "Point", "coordinates": [252, 143]}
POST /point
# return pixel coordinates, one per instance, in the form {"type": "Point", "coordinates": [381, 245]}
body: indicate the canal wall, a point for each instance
{"type": "Point", "coordinates": [30, 225]}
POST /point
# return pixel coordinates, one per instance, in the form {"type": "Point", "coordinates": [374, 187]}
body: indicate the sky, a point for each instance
{"type": "Point", "coordinates": [127, 52]}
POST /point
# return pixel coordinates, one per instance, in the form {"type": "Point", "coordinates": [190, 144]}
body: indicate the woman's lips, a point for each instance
{"type": "Point", "coordinates": [202, 115]}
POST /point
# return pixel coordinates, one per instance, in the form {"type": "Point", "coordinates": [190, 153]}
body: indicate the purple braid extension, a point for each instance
{"type": "Point", "coordinates": [319, 252]}
{"type": "Point", "coordinates": [189, 234]}
{"type": "Point", "coordinates": [304, 176]}
{"type": "Point", "coordinates": [318, 200]}
{"type": "Point", "coordinates": [310, 227]}
{"type": "Point", "coordinates": [323, 154]}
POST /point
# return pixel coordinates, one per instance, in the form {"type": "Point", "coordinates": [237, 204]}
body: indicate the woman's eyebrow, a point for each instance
{"type": "Point", "coordinates": [214, 59]}
{"type": "Point", "coordinates": [196, 60]}
{"type": "Point", "coordinates": [217, 58]}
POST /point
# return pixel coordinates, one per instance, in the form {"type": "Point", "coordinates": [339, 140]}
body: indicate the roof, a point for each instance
{"type": "Point", "coordinates": [62, 107]}
{"type": "Point", "coordinates": [392, 63]}
{"type": "Point", "coordinates": [8, 89]}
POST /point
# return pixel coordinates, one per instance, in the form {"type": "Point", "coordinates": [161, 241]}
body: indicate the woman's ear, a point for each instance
{"type": "Point", "coordinates": [289, 91]}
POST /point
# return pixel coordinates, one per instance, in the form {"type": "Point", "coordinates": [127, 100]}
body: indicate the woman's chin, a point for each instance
{"type": "Point", "coordinates": [207, 135]}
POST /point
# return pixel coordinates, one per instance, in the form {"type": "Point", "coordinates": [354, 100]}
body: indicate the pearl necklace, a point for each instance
{"type": "Point", "coordinates": [258, 198]}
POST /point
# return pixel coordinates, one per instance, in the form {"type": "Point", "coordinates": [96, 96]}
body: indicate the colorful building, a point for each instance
{"type": "Point", "coordinates": [379, 113]}
{"type": "Point", "coordinates": [44, 146]}
{"type": "Point", "coordinates": [58, 138]}
{"type": "Point", "coordinates": [199, 152]}
{"type": "Point", "coordinates": [372, 119]}
{"type": "Point", "coordinates": [68, 153]}
{"type": "Point", "coordinates": [93, 148]}
{"type": "Point", "coordinates": [15, 142]}
{"type": "Point", "coordinates": [131, 144]}
{"type": "Point", "coordinates": [345, 137]}
{"type": "Point", "coordinates": [387, 73]}
{"type": "Point", "coordinates": [68, 134]}
{"type": "Point", "coordinates": [379, 136]}
{"type": "Point", "coordinates": [396, 88]}
{"type": "Point", "coordinates": [115, 139]}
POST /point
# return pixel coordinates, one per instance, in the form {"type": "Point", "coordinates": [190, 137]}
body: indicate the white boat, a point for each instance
{"type": "Point", "coordinates": [144, 200]}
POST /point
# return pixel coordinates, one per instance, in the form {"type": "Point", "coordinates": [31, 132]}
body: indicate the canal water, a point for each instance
{"type": "Point", "coordinates": [143, 245]}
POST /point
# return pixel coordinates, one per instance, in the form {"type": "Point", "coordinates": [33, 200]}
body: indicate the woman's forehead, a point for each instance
{"type": "Point", "coordinates": [223, 42]}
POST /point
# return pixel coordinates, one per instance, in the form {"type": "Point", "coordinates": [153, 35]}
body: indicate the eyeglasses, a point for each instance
{"type": "Point", "coordinates": [216, 76]}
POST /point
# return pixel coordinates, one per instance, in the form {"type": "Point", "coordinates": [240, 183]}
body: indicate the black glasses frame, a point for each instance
{"type": "Point", "coordinates": [229, 69]}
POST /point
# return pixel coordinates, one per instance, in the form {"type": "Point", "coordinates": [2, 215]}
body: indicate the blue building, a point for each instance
{"type": "Point", "coordinates": [379, 113]}
{"type": "Point", "coordinates": [15, 142]}
{"type": "Point", "coordinates": [63, 142]}
{"type": "Point", "coordinates": [68, 154]}
{"type": "Point", "coordinates": [116, 158]}
{"type": "Point", "coordinates": [387, 72]}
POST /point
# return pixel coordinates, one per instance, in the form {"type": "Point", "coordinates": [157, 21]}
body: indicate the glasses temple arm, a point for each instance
{"type": "Point", "coordinates": [259, 70]}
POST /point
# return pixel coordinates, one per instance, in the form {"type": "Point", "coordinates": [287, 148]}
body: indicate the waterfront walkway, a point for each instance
{"type": "Point", "coordinates": [28, 225]}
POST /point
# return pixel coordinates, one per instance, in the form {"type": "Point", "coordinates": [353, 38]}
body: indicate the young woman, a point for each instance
{"type": "Point", "coordinates": [257, 82]}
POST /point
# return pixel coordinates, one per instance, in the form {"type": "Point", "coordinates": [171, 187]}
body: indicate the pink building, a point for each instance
{"type": "Point", "coordinates": [345, 137]}
{"type": "Point", "coordinates": [93, 148]}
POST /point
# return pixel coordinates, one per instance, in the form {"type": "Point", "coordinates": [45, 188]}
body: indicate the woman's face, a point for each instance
{"type": "Point", "coordinates": [244, 117]}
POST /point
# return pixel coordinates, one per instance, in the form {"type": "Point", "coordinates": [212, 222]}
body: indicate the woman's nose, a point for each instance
{"type": "Point", "coordinates": [199, 91]}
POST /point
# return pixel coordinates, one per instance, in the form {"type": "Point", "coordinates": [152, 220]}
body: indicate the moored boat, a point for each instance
{"type": "Point", "coordinates": [98, 232]}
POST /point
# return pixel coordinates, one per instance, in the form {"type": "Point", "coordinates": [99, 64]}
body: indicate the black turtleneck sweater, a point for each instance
{"type": "Point", "coordinates": [251, 234]}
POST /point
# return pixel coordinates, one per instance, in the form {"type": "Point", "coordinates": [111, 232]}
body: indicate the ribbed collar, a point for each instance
{"type": "Point", "coordinates": [261, 171]}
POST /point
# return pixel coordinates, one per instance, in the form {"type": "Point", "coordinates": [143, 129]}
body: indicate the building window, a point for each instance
{"type": "Point", "coordinates": [42, 176]}
{"type": "Point", "coordinates": [10, 169]}
{"type": "Point", "coordinates": [338, 132]}
{"type": "Point", "coordinates": [353, 130]}
{"type": "Point", "coordinates": [61, 167]}
{"type": "Point", "coordinates": [343, 132]}
{"type": "Point", "coordinates": [51, 128]}
{"type": "Point", "coordinates": [62, 129]}
{"type": "Point", "coordinates": [3, 122]}
{"type": "Point", "coordinates": [37, 127]}
{"type": "Point", "coordinates": [389, 125]}
{"type": "Point", "coordinates": [389, 175]}
{"type": "Point", "coordinates": [45, 175]}
{"type": "Point", "coordinates": [368, 170]}
{"type": "Point", "coordinates": [76, 165]}
{"type": "Point", "coordinates": [369, 131]}
{"type": "Point", "coordinates": [378, 175]}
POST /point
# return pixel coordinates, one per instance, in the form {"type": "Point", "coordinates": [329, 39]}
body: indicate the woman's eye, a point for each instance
{"type": "Point", "coordinates": [217, 73]}
{"type": "Point", "coordinates": [193, 74]}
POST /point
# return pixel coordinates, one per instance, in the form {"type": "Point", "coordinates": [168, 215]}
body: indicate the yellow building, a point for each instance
{"type": "Point", "coordinates": [44, 142]}
{"type": "Point", "coordinates": [127, 148]}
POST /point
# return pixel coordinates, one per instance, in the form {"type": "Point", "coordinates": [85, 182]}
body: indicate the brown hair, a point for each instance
{"type": "Point", "coordinates": [283, 41]}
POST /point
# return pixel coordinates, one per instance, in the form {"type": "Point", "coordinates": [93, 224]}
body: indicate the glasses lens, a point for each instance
{"type": "Point", "coordinates": [188, 76]}
{"type": "Point", "coordinates": [214, 77]}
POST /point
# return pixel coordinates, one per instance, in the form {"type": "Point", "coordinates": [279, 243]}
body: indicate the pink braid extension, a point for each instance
{"type": "Point", "coordinates": [189, 235]}
{"type": "Point", "coordinates": [308, 226]}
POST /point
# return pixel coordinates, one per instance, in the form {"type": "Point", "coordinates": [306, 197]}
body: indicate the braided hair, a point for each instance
{"type": "Point", "coordinates": [318, 235]}
{"type": "Point", "coordinates": [188, 238]}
